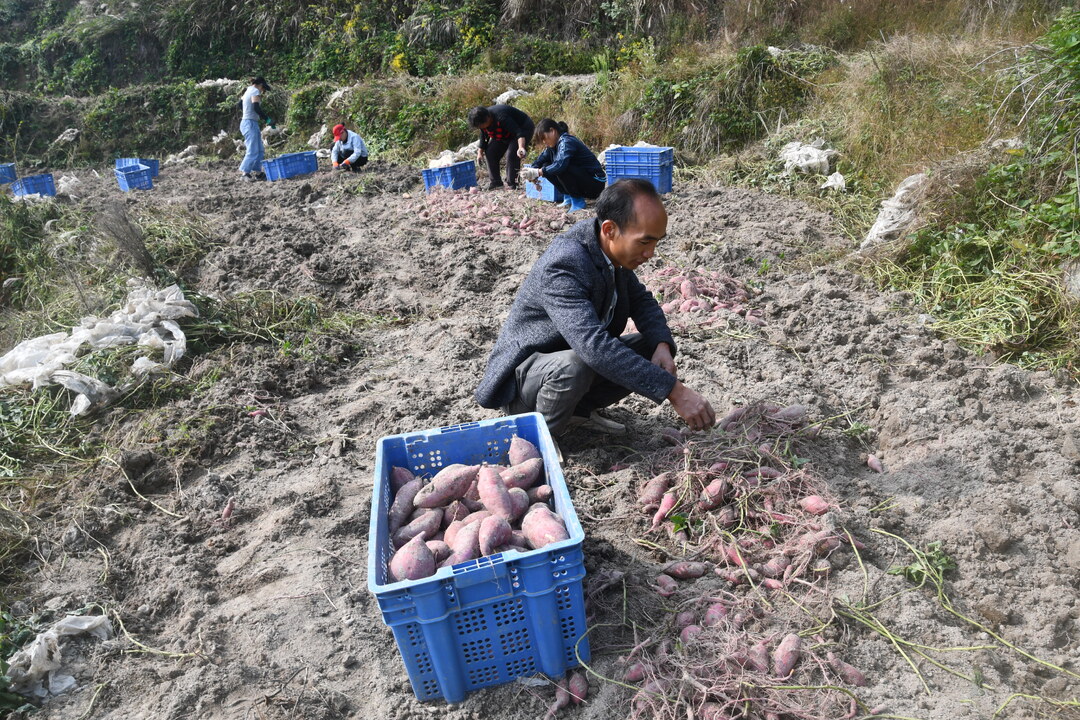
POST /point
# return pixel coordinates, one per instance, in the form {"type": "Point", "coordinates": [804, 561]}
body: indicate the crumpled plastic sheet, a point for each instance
{"type": "Point", "coordinates": [147, 319]}
{"type": "Point", "coordinates": [448, 157]}
{"type": "Point", "coordinates": [812, 159]}
{"type": "Point", "coordinates": [511, 94]}
{"type": "Point", "coordinates": [897, 213]}
{"type": "Point", "coordinates": [834, 182]}
{"type": "Point", "coordinates": [36, 670]}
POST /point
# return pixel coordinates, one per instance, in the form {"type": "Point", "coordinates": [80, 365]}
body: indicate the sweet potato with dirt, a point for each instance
{"type": "Point", "coordinates": [635, 673]}
{"type": "Point", "coordinates": [426, 526]}
{"type": "Point", "coordinates": [714, 614]}
{"type": "Point", "coordinates": [653, 491]}
{"type": "Point", "coordinates": [454, 511]}
{"type": "Point", "coordinates": [451, 532]}
{"type": "Point", "coordinates": [562, 699]}
{"type": "Point", "coordinates": [714, 494]}
{"type": "Point", "coordinates": [578, 687]}
{"type": "Point", "coordinates": [449, 484]}
{"type": "Point", "coordinates": [689, 634]}
{"type": "Point", "coordinates": [493, 493]}
{"type": "Point", "coordinates": [523, 475]}
{"type": "Point", "coordinates": [665, 585]}
{"type": "Point", "coordinates": [412, 562]}
{"type": "Point", "coordinates": [814, 504]}
{"type": "Point", "coordinates": [521, 450]}
{"type": "Point", "coordinates": [494, 533]}
{"type": "Point", "coordinates": [686, 570]}
{"type": "Point", "coordinates": [519, 500]}
{"type": "Point", "coordinates": [686, 617]}
{"type": "Point", "coordinates": [399, 478]}
{"type": "Point", "coordinates": [667, 504]}
{"type": "Point", "coordinates": [787, 655]}
{"type": "Point", "coordinates": [540, 494]}
{"type": "Point", "coordinates": [543, 527]}
{"type": "Point", "coordinates": [439, 549]}
{"type": "Point", "coordinates": [402, 506]}
{"type": "Point", "coordinates": [848, 673]}
{"type": "Point", "coordinates": [517, 539]}
{"type": "Point", "coordinates": [757, 657]}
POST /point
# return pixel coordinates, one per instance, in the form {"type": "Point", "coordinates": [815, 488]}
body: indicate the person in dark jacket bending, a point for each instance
{"type": "Point", "coordinates": [561, 351]}
{"type": "Point", "coordinates": [568, 164]}
{"type": "Point", "coordinates": [504, 130]}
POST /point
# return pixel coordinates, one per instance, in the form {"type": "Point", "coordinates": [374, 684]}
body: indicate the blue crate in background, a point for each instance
{"type": "Point", "coordinates": [152, 164]}
{"type": "Point", "coordinates": [35, 185]}
{"type": "Point", "coordinates": [290, 165]}
{"type": "Point", "coordinates": [134, 177]}
{"type": "Point", "coordinates": [456, 176]}
{"type": "Point", "coordinates": [652, 164]}
{"type": "Point", "coordinates": [7, 173]}
{"type": "Point", "coordinates": [482, 622]}
{"type": "Point", "coordinates": [547, 191]}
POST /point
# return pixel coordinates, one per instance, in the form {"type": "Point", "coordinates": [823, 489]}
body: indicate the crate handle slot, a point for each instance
{"type": "Point", "coordinates": [486, 569]}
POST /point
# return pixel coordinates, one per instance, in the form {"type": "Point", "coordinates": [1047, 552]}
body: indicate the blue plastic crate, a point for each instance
{"type": "Point", "coordinates": [35, 185]}
{"type": "Point", "coordinates": [152, 164]}
{"type": "Point", "coordinates": [483, 622]}
{"type": "Point", "coordinates": [7, 173]}
{"type": "Point", "coordinates": [648, 155]}
{"type": "Point", "coordinates": [134, 177]}
{"type": "Point", "coordinates": [547, 191]}
{"type": "Point", "coordinates": [659, 175]}
{"type": "Point", "coordinates": [456, 176]}
{"type": "Point", "coordinates": [290, 165]}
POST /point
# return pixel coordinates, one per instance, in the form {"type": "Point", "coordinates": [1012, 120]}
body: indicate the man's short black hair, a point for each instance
{"type": "Point", "coordinates": [478, 116]}
{"type": "Point", "coordinates": [616, 203]}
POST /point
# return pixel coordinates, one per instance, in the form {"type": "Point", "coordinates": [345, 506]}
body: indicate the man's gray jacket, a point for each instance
{"type": "Point", "coordinates": [562, 304]}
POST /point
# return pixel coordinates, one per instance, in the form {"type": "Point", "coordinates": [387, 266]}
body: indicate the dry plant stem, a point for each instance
{"type": "Point", "coordinates": [1037, 698]}
{"type": "Point", "coordinates": [154, 651]}
{"type": "Point", "coordinates": [93, 699]}
{"type": "Point", "coordinates": [946, 603]}
{"type": "Point", "coordinates": [137, 493]}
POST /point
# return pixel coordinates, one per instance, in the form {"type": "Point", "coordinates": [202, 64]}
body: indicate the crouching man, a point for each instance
{"type": "Point", "coordinates": [562, 352]}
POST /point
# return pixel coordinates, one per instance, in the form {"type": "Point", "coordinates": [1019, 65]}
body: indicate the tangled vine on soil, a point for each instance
{"type": "Point", "coordinates": [492, 214]}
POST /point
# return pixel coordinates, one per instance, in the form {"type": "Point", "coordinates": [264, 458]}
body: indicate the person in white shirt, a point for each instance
{"type": "Point", "coordinates": [251, 166]}
{"type": "Point", "coordinates": [349, 150]}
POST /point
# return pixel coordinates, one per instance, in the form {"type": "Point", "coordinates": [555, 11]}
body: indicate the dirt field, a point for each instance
{"type": "Point", "coordinates": [270, 616]}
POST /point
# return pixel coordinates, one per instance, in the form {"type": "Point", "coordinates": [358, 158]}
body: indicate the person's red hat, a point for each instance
{"type": "Point", "coordinates": [339, 130]}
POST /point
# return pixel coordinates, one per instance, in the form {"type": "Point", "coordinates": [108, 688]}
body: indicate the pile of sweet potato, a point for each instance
{"type": "Point", "coordinates": [491, 214]}
{"type": "Point", "coordinates": [700, 298]}
{"type": "Point", "coordinates": [469, 511]}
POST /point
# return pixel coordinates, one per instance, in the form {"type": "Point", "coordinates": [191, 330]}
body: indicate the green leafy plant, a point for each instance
{"type": "Point", "coordinates": [931, 563]}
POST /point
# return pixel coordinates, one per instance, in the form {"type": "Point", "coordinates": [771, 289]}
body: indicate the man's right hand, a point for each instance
{"type": "Point", "coordinates": [692, 407]}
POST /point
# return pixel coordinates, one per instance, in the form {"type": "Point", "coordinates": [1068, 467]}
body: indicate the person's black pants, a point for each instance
{"type": "Point", "coordinates": [353, 166]}
{"type": "Point", "coordinates": [494, 152]}
{"type": "Point", "coordinates": [577, 182]}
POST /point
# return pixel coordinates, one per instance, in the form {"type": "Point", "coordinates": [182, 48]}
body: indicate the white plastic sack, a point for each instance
{"type": "Point", "coordinates": [897, 214]}
{"type": "Point", "coordinates": [510, 94]}
{"type": "Point", "coordinates": [834, 182]}
{"type": "Point", "coordinates": [66, 184]}
{"type": "Point", "coordinates": [147, 319]}
{"type": "Point", "coordinates": [812, 158]}
{"type": "Point", "coordinates": [602, 157]}
{"type": "Point", "coordinates": [448, 157]}
{"type": "Point", "coordinates": [35, 670]}
{"type": "Point", "coordinates": [318, 139]}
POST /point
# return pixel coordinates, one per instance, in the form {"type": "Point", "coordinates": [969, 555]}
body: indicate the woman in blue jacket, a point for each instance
{"type": "Point", "coordinates": [568, 164]}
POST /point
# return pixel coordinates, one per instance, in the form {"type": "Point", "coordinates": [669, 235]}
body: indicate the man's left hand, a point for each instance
{"type": "Point", "coordinates": [662, 358]}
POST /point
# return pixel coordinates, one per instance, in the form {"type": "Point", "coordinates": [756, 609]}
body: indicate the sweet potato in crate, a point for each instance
{"type": "Point", "coordinates": [482, 622]}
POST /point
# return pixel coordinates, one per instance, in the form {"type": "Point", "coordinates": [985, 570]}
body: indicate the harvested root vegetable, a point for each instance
{"type": "Point", "coordinates": [402, 506]}
{"type": "Point", "coordinates": [874, 464]}
{"type": "Point", "coordinates": [451, 532]}
{"type": "Point", "coordinates": [424, 526]}
{"type": "Point", "coordinates": [686, 617]}
{"type": "Point", "coordinates": [713, 711]}
{"type": "Point", "coordinates": [772, 584]}
{"type": "Point", "coordinates": [689, 634]}
{"type": "Point", "coordinates": [562, 699]}
{"type": "Point", "coordinates": [543, 527]}
{"type": "Point", "coordinates": [814, 504]}
{"type": "Point", "coordinates": [439, 549]}
{"type": "Point", "coordinates": [466, 545]}
{"type": "Point", "coordinates": [653, 491]}
{"type": "Point", "coordinates": [540, 494]}
{"type": "Point", "coordinates": [667, 504]}
{"type": "Point", "coordinates": [686, 570]}
{"type": "Point", "coordinates": [494, 533]}
{"type": "Point", "coordinates": [454, 511]}
{"type": "Point", "coordinates": [787, 655]}
{"type": "Point", "coordinates": [714, 614]}
{"type": "Point", "coordinates": [521, 450]}
{"type": "Point", "coordinates": [671, 436]}
{"type": "Point", "coordinates": [519, 500]}
{"type": "Point", "coordinates": [727, 516]}
{"type": "Point", "coordinates": [714, 494]}
{"type": "Point", "coordinates": [450, 483]}
{"type": "Point", "coordinates": [775, 567]}
{"type": "Point", "coordinates": [635, 673]}
{"type": "Point", "coordinates": [666, 585]}
{"type": "Point", "coordinates": [412, 562]}
{"type": "Point", "coordinates": [493, 493]}
{"type": "Point", "coordinates": [578, 687]}
{"type": "Point", "coordinates": [399, 478]}
{"type": "Point", "coordinates": [848, 673]}
{"type": "Point", "coordinates": [757, 657]}
{"type": "Point", "coordinates": [475, 517]}
{"type": "Point", "coordinates": [523, 475]}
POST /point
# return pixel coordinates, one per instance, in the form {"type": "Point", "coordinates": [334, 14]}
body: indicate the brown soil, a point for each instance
{"type": "Point", "coordinates": [270, 616]}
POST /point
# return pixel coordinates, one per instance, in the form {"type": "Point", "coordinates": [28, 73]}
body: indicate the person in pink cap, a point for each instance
{"type": "Point", "coordinates": [349, 152]}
